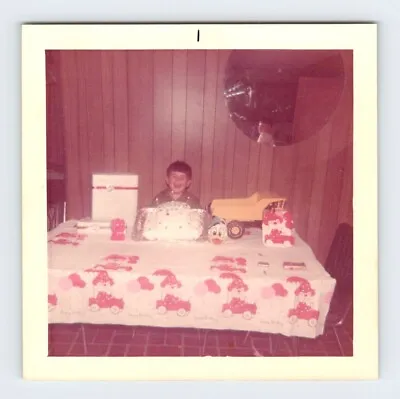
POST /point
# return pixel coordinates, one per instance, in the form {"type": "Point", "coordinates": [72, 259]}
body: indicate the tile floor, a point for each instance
{"type": "Point", "coordinates": [116, 340]}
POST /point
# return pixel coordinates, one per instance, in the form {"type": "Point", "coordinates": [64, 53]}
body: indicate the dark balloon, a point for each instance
{"type": "Point", "coordinates": [261, 89]}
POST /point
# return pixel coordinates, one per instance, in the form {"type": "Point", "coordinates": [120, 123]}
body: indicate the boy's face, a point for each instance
{"type": "Point", "coordinates": [178, 182]}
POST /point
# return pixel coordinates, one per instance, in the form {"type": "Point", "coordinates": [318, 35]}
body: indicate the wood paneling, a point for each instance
{"type": "Point", "coordinates": [179, 93]}
{"type": "Point", "coordinates": [136, 111]}
{"type": "Point", "coordinates": [54, 114]}
{"type": "Point", "coordinates": [162, 115]}
{"type": "Point", "coordinates": [73, 154]}
{"type": "Point", "coordinates": [107, 100]}
{"type": "Point", "coordinates": [194, 112]}
{"type": "Point", "coordinates": [220, 143]}
{"type": "Point", "coordinates": [315, 96]}
{"type": "Point", "coordinates": [121, 107]}
{"type": "Point", "coordinates": [210, 116]}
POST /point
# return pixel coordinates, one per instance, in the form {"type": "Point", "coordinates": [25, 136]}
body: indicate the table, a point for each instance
{"type": "Point", "coordinates": [239, 285]}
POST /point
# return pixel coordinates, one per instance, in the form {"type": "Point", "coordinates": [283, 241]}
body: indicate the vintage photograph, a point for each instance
{"type": "Point", "coordinates": [200, 202]}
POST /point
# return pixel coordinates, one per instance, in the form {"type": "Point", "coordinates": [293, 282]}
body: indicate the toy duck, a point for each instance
{"type": "Point", "coordinates": [218, 232]}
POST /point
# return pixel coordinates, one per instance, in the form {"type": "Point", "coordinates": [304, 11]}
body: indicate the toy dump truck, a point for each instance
{"type": "Point", "coordinates": [237, 212]}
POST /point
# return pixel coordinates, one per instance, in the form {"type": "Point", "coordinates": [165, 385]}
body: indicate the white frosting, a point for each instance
{"type": "Point", "coordinates": [172, 223]}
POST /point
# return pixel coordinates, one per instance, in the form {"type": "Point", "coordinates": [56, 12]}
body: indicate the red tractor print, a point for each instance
{"type": "Point", "coordinates": [238, 306]}
{"type": "Point", "coordinates": [304, 312]}
{"type": "Point", "coordinates": [104, 300]}
{"type": "Point", "coordinates": [173, 303]}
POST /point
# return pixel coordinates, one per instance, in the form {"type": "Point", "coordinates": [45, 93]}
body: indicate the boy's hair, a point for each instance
{"type": "Point", "coordinates": [180, 166]}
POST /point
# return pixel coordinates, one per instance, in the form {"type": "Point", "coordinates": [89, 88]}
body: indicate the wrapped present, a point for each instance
{"type": "Point", "coordinates": [114, 196]}
{"type": "Point", "coordinates": [278, 228]}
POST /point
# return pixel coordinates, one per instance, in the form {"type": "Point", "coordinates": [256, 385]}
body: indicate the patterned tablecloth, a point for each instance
{"type": "Point", "coordinates": [239, 285]}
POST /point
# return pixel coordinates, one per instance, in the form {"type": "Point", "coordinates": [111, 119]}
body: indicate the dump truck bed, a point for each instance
{"type": "Point", "coordinates": [244, 209]}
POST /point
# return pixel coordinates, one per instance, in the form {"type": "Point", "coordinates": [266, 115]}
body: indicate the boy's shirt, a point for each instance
{"type": "Point", "coordinates": [186, 197]}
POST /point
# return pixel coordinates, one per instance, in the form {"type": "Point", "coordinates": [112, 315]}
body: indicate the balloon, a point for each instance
{"type": "Point", "coordinates": [200, 289]}
{"type": "Point", "coordinates": [261, 90]}
{"type": "Point", "coordinates": [65, 283]}
{"type": "Point", "coordinates": [267, 292]}
{"type": "Point", "coordinates": [133, 286]}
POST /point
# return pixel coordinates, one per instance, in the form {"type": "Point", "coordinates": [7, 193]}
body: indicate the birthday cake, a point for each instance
{"type": "Point", "coordinates": [173, 221]}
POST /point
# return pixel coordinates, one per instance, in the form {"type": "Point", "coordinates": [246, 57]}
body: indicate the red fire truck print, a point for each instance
{"type": "Point", "coordinates": [229, 264]}
{"type": "Point", "coordinates": [76, 236]}
{"type": "Point", "coordinates": [52, 301]}
{"type": "Point", "coordinates": [68, 239]}
{"type": "Point", "coordinates": [237, 305]}
{"type": "Point", "coordinates": [64, 241]}
{"type": "Point", "coordinates": [303, 310]}
{"type": "Point", "coordinates": [173, 303]}
{"type": "Point", "coordinates": [104, 300]}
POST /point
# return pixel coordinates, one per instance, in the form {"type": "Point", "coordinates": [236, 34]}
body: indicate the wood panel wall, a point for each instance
{"type": "Point", "coordinates": [54, 114]}
{"type": "Point", "coordinates": [137, 111]}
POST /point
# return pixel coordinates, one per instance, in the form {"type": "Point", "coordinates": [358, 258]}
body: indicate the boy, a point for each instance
{"type": "Point", "coordinates": [178, 179]}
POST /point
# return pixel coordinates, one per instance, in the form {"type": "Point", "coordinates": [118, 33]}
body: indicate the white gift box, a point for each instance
{"type": "Point", "coordinates": [114, 196]}
{"type": "Point", "coordinates": [278, 229]}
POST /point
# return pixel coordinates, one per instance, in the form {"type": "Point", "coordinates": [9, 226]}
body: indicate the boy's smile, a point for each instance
{"type": "Point", "coordinates": [178, 182]}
